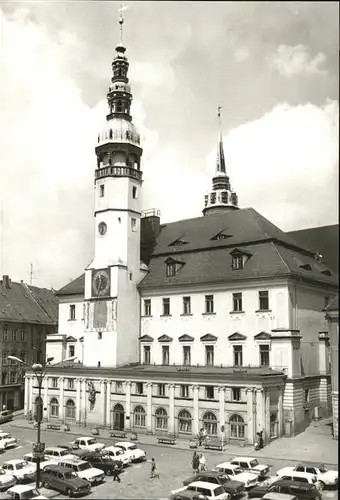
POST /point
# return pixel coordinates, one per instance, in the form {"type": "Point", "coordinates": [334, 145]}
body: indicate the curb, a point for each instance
{"type": "Point", "coordinates": [183, 447]}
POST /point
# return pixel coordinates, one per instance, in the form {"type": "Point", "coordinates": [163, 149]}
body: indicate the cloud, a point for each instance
{"type": "Point", "coordinates": [241, 54]}
{"type": "Point", "coordinates": [290, 61]}
{"type": "Point", "coordinates": [153, 74]}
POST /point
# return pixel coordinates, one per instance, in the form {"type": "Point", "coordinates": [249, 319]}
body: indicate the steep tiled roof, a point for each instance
{"type": "Point", "coordinates": [75, 287]}
{"type": "Point", "coordinates": [29, 304]}
{"type": "Point", "coordinates": [324, 240]}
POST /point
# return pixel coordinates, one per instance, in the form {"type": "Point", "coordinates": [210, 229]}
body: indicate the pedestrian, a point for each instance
{"type": "Point", "coordinates": [195, 462]}
{"type": "Point", "coordinates": [154, 473]}
{"type": "Point", "coordinates": [202, 462]}
{"type": "Point", "coordinates": [116, 472]}
{"type": "Point", "coordinates": [200, 437]}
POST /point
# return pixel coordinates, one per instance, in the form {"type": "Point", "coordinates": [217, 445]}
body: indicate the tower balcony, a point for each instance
{"type": "Point", "coordinates": [118, 172]}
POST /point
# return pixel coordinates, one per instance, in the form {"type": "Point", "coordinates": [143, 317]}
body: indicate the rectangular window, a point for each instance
{"type": "Point", "coordinates": [186, 305]}
{"type": "Point", "coordinates": [238, 357]}
{"type": "Point", "coordinates": [13, 378]}
{"type": "Point", "coordinates": [237, 302]}
{"type": "Point", "coordinates": [70, 383]}
{"type": "Point", "coordinates": [71, 351]}
{"type": "Point", "coordinates": [72, 312]}
{"type": "Point", "coordinates": [166, 307]}
{"type": "Point", "coordinates": [264, 300]}
{"type": "Point", "coordinates": [14, 335]}
{"type": "Point", "coordinates": [100, 335]}
{"type": "Point", "coordinates": [4, 378]}
{"type": "Point", "coordinates": [119, 386]}
{"type": "Point", "coordinates": [5, 336]}
{"type": "Point", "coordinates": [236, 394]}
{"type": "Point", "coordinates": [184, 391]}
{"type": "Point", "coordinates": [171, 269]}
{"type": "Point", "coordinates": [134, 192]}
{"type": "Point", "coordinates": [209, 392]}
{"type": "Point", "coordinates": [139, 387]}
{"type": "Point", "coordinates": [23, 336]}
{"type": "Point", "coordinates": [306, 395]}
{"type": "Point", "coordinates": [54, 382]}
{"type": "Point", "coordinates": [102, 190]}
{"type": "Point", "coordinates": [161, 389]}
{"type": "Point", "coordinates": [237, 261]}
{"type": "Point", "coordinates": [165, 354]}
{"type": "Point", "coordinates": [133, 224]}
{"type": "Point", "coordinates": [209, 355]}
{"type": "Point", "coordinates": [186, 355]}
{"type": "Point", "coordinates": [264, 355]}
{"type": "Point", "coordinates": [146, 354]}
{"type": "Point", "coordinates": [147, 307]}
{"type": "Point", "coordinates": [209, 304]}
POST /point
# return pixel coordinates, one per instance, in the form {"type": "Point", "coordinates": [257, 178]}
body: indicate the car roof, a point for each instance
{"type": "Point", "coordinates": [288, 482]}
{"type": "Point", "coordinates": [278, 496]}
{"type": "Point", "coordinates": [229, 465]}
{"type": "Point", "coordinates": [19, 488]}
{"type": "Point", "coordinates": [298, 473]}
{"type": "Point", "coordinates": [55, 448]}
{"type": "Point", "coordinates": [85, 437]}
{"type": "Point", "coordinates": [209, 473]}
{"type": "Point", "coordinates": [74, 460]}
{"type": "Point", "coordinates": [242, 459]}
{"type": "Point", "coordinates": [14, 461]}
{"type": "Point", "coordinates": [58, 467]}
{"type": "Point", "coordinates": [204, 484]}
{"type": "Point", "coordinates": [112, 448]}
{"type": "Point", "coordinates": [186, 493]}
{"type": "Point", "coordinates": [124, 443]}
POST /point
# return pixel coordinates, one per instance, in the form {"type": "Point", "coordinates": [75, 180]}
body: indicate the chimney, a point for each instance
{"type": "Point", "coordinates": [6, 282]}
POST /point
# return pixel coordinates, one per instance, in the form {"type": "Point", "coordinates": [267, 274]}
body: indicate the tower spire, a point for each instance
{"type": "Point", "coordinates": [121, 20]}
{"type": "Point", "coordinates": [221, 197]}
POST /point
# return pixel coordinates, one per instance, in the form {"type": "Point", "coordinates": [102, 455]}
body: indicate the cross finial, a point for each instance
{"type": "Point", "coordinates": [121, 20]}
{"type": "Point", "coordinates": [219, 115]}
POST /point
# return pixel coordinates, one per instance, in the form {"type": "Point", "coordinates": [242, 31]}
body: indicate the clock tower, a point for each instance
{"type": "Point", "coordinates": [112, 303]}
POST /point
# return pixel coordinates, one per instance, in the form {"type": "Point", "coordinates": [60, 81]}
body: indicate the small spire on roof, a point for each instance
{"type": "Point", "coordinates": [121, 20]}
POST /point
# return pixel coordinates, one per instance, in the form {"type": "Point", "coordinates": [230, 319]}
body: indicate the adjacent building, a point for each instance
{"type": "Point", "coordinates": [215, 321]}
{"type": "Point", "coordinates": [27, 315]}
{"type": "Point", "coordinates": [332, 315]}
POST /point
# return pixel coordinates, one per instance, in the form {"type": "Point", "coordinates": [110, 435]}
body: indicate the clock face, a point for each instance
{"type": "Point", "coordinates": [100, 283]}
{"type": "Point", "coordinates": [102, 228]}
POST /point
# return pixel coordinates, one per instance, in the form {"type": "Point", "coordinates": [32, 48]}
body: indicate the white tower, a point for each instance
{"type": "Point", "coordinates": [112, 316]}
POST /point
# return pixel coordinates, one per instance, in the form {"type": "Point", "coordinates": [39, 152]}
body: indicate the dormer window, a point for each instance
{"type": "Point", "coordinates": [306, 267]}
{"type": "Point", "coordinates": [221, 236]}
{"type": "Point", "coordinates": [177, 243]}
{"type": "Point", "coordinates": [237, 261]}
{"type": "Point", "coordinates": [171, 269]}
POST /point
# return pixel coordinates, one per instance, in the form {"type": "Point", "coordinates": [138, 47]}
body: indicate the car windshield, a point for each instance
{"type": "Point", "coordinates": [63, 453]}
{"type": "Point", "coordinates": [120, 452]}
{"type": "Point", "coordinates": [29, 494]}
{"type": "Point", "coordinates": [84, 466]}
{"type": "Point", "coordinates": [132, 447]}
{"type": "Point", "coordinates": [223, 478]}
{"type": "Point", "coordinates": [20, 465]}
{"type": "Point", "coordinates": [323, 468]}
{"type": "Point", "coordinates": [254, 463]}
{"type": "Point", "coordinates": [92, 441]}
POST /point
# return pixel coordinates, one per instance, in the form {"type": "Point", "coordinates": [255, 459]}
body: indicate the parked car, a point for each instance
{"type": "Point", "coordinates": [6, 416]}
{"type": "Point", "coordinates": [212, 491]}
{"type": "Point", "coordinates": [234, 488]}
{"type": "Point", "coordinates": [300, 490]}
{"type": "Point", "coordinates": [84, 470]}
{"type": "Point", "coordinates": [23, 492]}
{"type": "Point", "coordinates": [7, 441]}
{"type": "Point", "coordinates": [89, 443]}
{"type": "Point", "coordinates": [44, 460]}
{"type": "Point", "coordinates": [103, 463]}
{"type": "Point", "coordinates": [64, 480]}
{"type": "Point", "coordinates": [6, 480]}
{"type": "Point", "coordinates": [188, 495]}
{"type": "Point", "coordinates": [116, 453]}
{"type": "Point", "coordinates": [300, 477]}
{"type": "Point", "coordinates": [20, 470]}
{"type": "Point", "coordinates": [251, 464]}
{"type": "Point", "coordinates": [57, 453]}
{"type": "Point", "coordinates": [73, 449]}
{"type": "Point", "coordinates": [234, 472]}
{"type": "Point", "coordinates": [131, 450]}
{"type": "Point", "coordinates": [278, 496]}
{"type": "Point", "coordinates": [324, 476]}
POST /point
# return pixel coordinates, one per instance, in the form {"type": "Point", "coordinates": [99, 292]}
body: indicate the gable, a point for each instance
{"type": "Point", "coordinates": [146, 338]}
{"type": "Point", "coordinates": [70, 338]}
{"type": "Point", "coordinates": [237, 336]}
{"type": "Point", "coordinates": [186, 338]}
{"type": "Point", "coordinates": [262, 336]}
{"type": "Point", "coordinates": [208, 338]}
{"type": "Point", "coordinates": [164, 338]}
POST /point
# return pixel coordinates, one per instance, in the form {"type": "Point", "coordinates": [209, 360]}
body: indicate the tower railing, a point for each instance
{"type": "Point", "coordinates": [151, 212]}
{"type": "Point", "coordinates": [118, 172]}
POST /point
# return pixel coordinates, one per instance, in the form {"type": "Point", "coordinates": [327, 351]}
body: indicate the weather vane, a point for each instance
{"type": "Point", "coordinates": [121, 19]}
{"type": "Point", "coordinates": [219, 114]}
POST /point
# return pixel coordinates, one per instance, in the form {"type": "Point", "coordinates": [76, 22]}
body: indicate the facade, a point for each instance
{"type": "Point", "coordinates": [219, 325]}
{"type": "Point", "coordinates": [27, 315]}
{"type": "Point", "coordinates": [332, 315]}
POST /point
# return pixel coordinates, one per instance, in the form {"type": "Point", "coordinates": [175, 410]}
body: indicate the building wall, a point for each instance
{"type": "Point", "coordinates": [333, 328]}
{"type": "Point", "coordinates": [66, 325]}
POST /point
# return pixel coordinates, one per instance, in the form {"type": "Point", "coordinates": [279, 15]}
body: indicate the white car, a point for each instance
{"type": "Point", "coordinates": [210, 490]}
{"type": "Point", "coordinates": [23, 492]}
{"type": "Point", "coordinates": [7, 441]}
{"type": "Point", "coordinates": [84, 470]}
{"type": "Point", "coordinates": [44, 460]}
{"type": "Point", "coordinates": [57, 454]}
{"type": "Point", "coordinates": [116, 453]}
{"type": "Point", "coordinates": [251, 464]}
{"type": "Point", "coordinates": [20, 470]}
{"type": "Point", "coordinates": [301, 477]}
{"type": "Point", "coordinates": [237, 474]}
{"type": "Point", "coordinates": [88, 443]}
{"type": "Point", "coordinates": [6, 480]}
{"type": "Point", "coordinates": [131, 450]}
{"type": "Point", "coordinates": [324, 476]}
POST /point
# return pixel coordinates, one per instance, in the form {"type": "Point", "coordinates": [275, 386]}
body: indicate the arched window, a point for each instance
{"type": "Point", "coordinates": [236, 426]}
{"type": "Point", "coordinates": [118, 407]}
{"type": "Point", "coordinates": [210, 423]}
{"type": "Point", "coordinates": [54, 407]}
{"type": "Point", "coordinates": [184, 421]}
{"type": "Point", "coordinates": [70, 409]}
{"type": "Point", "coordinates": [161, 419]}
{"type": "Point", "coordinates": [139, 416]}
{"type": "Point", "coordinates": [119, 107]}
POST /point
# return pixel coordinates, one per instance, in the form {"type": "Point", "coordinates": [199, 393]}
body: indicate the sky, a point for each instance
{"type": "Point", "coordinates": [272, 66]}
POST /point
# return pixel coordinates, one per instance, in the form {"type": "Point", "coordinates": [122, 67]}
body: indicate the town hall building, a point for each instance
{"type": "Point", "coordinates": [215, 321]}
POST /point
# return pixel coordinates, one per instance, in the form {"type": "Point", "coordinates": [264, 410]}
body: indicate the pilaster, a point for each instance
{"type": "Point", "coordinates": [195, 423]}
{"type": "Point", "coordinates": [221, 391]}
{"type": "Point", "coordinates": [324, 353]}
{"type": "Point", "coordinates": [171, 422]}
{"type": "Point", "coordinates": [149, 408]}
{"type": "Point", "coordinates": [45, 407]}
{"type": "Point", "coordinates": [27, 394]}
{"type": "Point", "coordinates": [251, 423]}
{"type": "Point", "coordinates": [280, 412]}
{"type": "Point", "coordinates": [128, 405]}
{"type": "Point", "coordinates": [267, 415]}
{"type": "Point", "coordinates": [83, 402]}
{"type": "Point", "coordinates": [78, 409]}
{"type": "Point", "coordinates": [261, 411]}
{"type": "Point", "coordinates": [108, 403]}
{"type": "Point", "coordinates": [61, 404]}
{"type": "Point", "coordinates": [103, 402]}
{"type": "Point", "coordinates": [286, 351]}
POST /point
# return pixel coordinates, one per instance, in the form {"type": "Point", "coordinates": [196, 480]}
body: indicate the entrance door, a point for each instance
{"type": "Point", "coordinates": [118, 418]}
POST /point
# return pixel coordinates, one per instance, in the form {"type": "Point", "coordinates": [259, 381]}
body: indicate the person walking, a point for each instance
{"type": "Point", "coordinates": [195, 462]}
{"type": "Point", "coordinates": [154, 473]}
{"type": "Point", "coordinates": [202, 462]}
{"type": "Point", "coordinates": [116, 472]}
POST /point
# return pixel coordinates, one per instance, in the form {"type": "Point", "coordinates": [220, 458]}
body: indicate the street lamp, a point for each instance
{"type": "Point", "coordinates": [39, 371]}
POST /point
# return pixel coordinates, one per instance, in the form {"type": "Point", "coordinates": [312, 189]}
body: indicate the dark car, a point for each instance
{"type": "Point", "coordinates": [75, 450]}
{"type": "Point", "coordinates": [64, 480]}
{"type": "Point", "coordinates": [188, 495]}
{"type": "Point", "coordinates": [302, 491]}
{"type": "Point", "coordinates": [102, 462]}
{"type": "Point", "coordinates": [234, 488]}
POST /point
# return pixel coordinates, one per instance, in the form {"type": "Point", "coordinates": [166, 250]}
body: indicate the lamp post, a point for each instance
{"type": "Point", "coordinates": [39, 371]}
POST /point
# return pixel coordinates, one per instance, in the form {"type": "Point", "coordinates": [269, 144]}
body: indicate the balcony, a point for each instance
{"type": "Point", "coordinates": [118, 172]}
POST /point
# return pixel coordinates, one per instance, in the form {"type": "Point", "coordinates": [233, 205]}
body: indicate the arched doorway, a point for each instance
{"type": "Point", "coordinates": [118, 417]}
{"type": "Point", "coordinates": [210, 423]}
